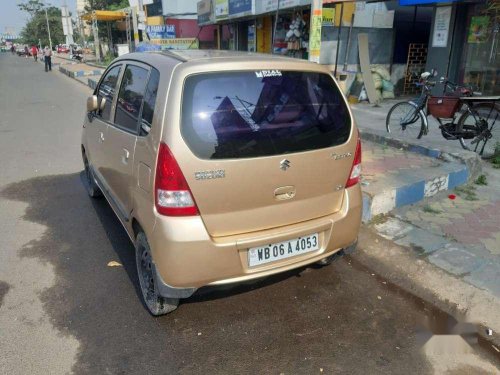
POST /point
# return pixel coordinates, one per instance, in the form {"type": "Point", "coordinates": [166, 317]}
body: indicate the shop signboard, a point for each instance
{"type": "Point", "coordinates": [241, 8]}
{"type": "Point", "coordinates": [328, 16]}
{"type": "Point", "coordinates": [478, 30]}
{"type": "Point", "coordinates": [205, 13]}
{"type": "Point", "coordinates": [441, 26]}
{"type": "Point", "coordinates": [177, 43]}
{"type": "Point", "coordinates": [161, 31]}
{"type": "Point", "coordinates": [266, 6]}
{"type": "Point", "coordinates": [221, 9]}
{"type": "Point", "coordinates": [421, 2]}
{"type": "Point", "coordinates": [135, 3]}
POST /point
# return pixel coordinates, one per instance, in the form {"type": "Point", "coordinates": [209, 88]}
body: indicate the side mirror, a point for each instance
{"type": "Point", "coordinates": [92, 105]}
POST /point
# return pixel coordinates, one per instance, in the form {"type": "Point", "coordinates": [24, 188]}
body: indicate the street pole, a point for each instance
{"type": "Point", "coordinates": [275, 26]}
{"type": "Point", "coordinates": [135, 13]}
{"type": "Point", "coordinates": [338, 39]}
{"type": "Point", "coordinates": [48, 26]}
{"type": "Point", "coordinates": [134, 25]}
{"type": "Point", "coordinates": [315, 30]}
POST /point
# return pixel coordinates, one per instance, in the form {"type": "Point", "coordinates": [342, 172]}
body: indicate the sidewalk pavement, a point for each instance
{"type": "Point", "coordinates": [459, 233]}
{"type": "Point", "coordinates": [455, 233]}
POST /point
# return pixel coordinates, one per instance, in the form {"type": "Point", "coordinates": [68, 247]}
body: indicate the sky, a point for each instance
{"type": "Point", "coordinates": [11, 16]}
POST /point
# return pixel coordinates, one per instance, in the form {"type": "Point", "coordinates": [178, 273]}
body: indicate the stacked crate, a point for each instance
{"type": "Point", "coordinates": [417, 57]}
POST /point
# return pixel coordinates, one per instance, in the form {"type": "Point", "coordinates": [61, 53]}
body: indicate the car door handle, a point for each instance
{"type": "Point", "coordinates": [101, 136]}
{"type": "Point", "coordinates": [126, 155]}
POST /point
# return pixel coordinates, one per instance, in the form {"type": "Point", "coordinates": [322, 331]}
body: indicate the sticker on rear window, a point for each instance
{"type": "Point", "coordinates": [268, 73]}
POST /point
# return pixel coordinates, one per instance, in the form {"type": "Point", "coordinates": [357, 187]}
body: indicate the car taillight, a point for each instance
{"type": "Point", "coordinates": [172, 194]}
{"type": "Point", "coordinates": [356, 166]}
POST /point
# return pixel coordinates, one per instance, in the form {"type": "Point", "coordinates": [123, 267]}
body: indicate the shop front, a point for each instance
{"type": "Point", "coordinates": [480, 62]}
{"type": "Point", "coordinates": [248, 25]}
{"type": "Point", "coordinates": [292, 27]}
{"type": "Point", "coordinates": [464, 44]}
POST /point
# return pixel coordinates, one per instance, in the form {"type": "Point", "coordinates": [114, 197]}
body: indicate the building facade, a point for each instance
{"type": "Point", "coordinates": [83, 28]}
{"type": "Point", "coordinates": [458, 38]}
{"type": "Point", "coordinates": [464, 43]}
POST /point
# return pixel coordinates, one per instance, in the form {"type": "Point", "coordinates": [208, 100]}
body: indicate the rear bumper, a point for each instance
{"type": "Point", "coordinates": [187, 258]}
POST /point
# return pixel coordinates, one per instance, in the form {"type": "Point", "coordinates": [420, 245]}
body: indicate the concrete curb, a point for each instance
{"type": "Point", "coordinates": [390, 199]}
{"type": "Point", "coordinates": [92, 83]}
{"type": "Point", "coordinates": [470, 159]}
{"type": "Point", "coordinates": [79, 73]}
{"type": "Point", "coordinates": [414, 192]}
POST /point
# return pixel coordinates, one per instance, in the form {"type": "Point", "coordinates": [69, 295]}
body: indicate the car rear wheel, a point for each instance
{"type": "Point", "coordinates": [329, 260]}
{"type": "Point", "coordinates": [156, 304]}
{"type": "Point", "coordinates": [90, 185]}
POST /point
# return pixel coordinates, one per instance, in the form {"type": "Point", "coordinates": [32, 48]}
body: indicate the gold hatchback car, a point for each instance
{"type": "Point", "coordinates": [223, 166]}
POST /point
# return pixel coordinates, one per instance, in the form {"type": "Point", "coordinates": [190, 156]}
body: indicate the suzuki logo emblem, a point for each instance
{"type": "Point", "coordinates": [284, 164]}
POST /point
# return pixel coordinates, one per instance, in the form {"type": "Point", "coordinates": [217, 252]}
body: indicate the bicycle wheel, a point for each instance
{"type": "Point", "coordinates": [404, 121]}
{"type": "Point", "coordinates": [479, 129]}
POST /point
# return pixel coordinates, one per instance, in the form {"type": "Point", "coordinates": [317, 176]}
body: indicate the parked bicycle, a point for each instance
{"type": "Point", "coordinates": [472, 120]}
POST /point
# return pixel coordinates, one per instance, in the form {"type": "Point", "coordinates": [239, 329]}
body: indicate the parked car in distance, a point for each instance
{"type": "Point", "coordinates": [62, 48]}
{"type": "Point", "coordinates": [223, 166]}
{"type": "Point", "coordinates": [21, 51]}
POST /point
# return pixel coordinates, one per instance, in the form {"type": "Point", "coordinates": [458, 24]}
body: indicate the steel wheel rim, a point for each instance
{"type": "Point", "coordinates": [146, 276]}
{"type": "Point", "coordinates": [88, 174]}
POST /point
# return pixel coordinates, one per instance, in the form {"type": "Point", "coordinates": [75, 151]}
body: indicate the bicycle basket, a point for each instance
{"type": "Point", "coordinates": [443, 106]}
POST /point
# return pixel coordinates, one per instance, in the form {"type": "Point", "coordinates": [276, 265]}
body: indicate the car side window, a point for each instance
{"type": "Point", "coordinates": [148, 107]}
{"type": "Point", "coordinates": [107, 90]}
{"type": "Point", "coordinates": [130, 97]}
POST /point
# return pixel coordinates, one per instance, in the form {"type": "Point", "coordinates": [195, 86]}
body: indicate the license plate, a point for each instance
{"type": "Point", "coordinates": [281, 250]}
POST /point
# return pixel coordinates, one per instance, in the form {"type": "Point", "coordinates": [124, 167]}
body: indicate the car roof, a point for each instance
{"type": "Point", "coordinates": [155, 57]}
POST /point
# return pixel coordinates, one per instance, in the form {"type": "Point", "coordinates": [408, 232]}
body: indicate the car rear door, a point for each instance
{"type": "Point", "coordinates": [268, 148]}
{"type": "Point", "coordinates": [122, 136]}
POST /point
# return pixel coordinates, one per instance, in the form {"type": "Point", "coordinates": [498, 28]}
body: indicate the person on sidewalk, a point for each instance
{"type": "Point", "coordinates": [47, 56]}
{"type": "Point", "coordinates": [34, 52]}
{"type": "Point", "coordinates": [26, 52]}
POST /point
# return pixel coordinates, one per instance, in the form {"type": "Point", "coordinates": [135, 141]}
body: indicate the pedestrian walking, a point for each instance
{"type": "Point", "coordinates": [26, 52]}
{"type": "Point", "coordinates": [47, 56]}
{"type": "Point", "coordinates": [34, 52]}
{"type": "Point", "coordinates": [13, 49]}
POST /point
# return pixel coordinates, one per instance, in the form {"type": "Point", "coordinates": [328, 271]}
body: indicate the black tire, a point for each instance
{"type": "Point", "coordinates": [90, 185]}
{"type": "Point", "coordinates": [486, 144]}
{"type": "Point", "coordinates": [407, 112]}
{"type": "Point", "coordinates": [332, 258]}
{"type": "Point", "coordinates": [156, 304]}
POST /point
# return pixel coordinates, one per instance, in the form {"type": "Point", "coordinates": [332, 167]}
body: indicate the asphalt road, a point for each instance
{"type": "Point", "coordinates": [63, 309]}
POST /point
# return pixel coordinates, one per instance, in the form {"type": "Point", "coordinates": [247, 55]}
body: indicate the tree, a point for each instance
{"type": "Point", "coordinates": [35, 29]}
{"type": "Point", "coordinates": [32, 7]}
{"type": "Point", "coordinates": [105, 5]}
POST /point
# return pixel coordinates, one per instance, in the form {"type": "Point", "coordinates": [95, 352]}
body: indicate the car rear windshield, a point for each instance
{"type": "Point", "coordinates": [262, 113]}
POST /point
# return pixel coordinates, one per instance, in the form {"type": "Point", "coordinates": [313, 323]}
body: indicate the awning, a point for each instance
{"type": "Point", "coordinates": [105, 15]}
